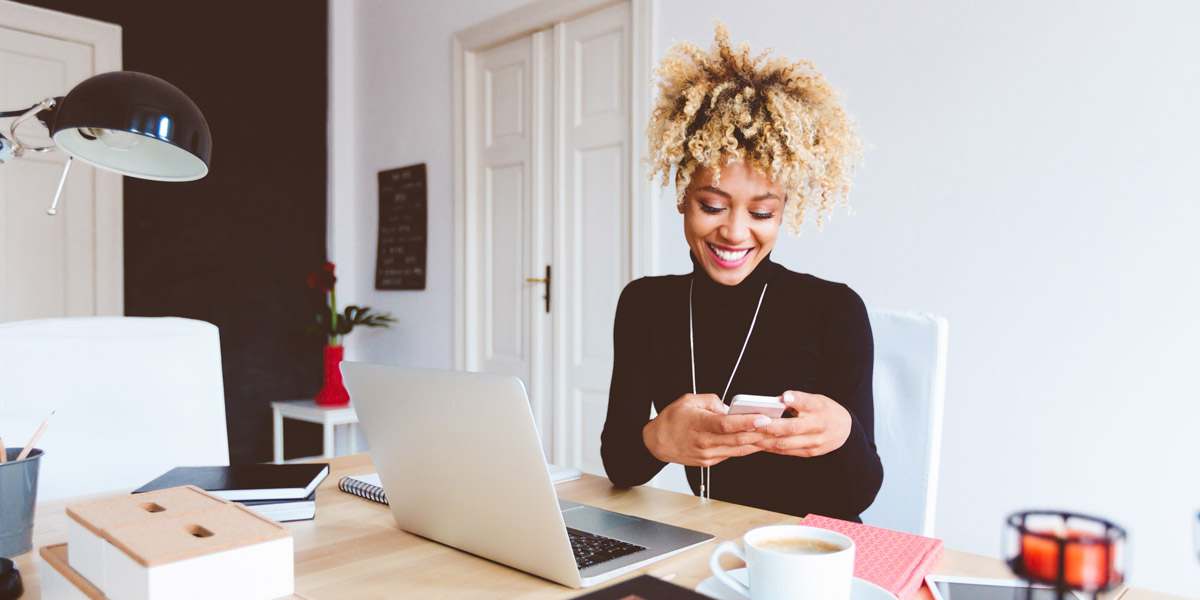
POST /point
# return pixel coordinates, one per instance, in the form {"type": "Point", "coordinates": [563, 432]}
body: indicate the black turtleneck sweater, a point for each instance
{"type": "Point", "coordinates": [812, 335]}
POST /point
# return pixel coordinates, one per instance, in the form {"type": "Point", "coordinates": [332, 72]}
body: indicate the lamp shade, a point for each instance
{"type": "Point", "coordinates": [135, 124]}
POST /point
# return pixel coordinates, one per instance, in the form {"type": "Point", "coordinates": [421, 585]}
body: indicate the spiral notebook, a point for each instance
{"type": "Point", "coordinates": [369, 486]}
{"type": "Point", "coordinates": [366, 486]}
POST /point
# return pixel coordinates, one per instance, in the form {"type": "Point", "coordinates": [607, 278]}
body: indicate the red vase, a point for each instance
{"type": "Point", "coordinates": [334, 393]}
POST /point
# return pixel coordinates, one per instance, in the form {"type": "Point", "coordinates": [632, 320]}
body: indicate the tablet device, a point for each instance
{"type": "Point", "coordinates": [950, 587]}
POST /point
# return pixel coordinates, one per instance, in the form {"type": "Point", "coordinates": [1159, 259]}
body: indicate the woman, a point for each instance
{"type": "Point", "coordinates": [754, 142]}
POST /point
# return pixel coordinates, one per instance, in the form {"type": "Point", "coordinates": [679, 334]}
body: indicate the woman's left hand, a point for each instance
{"type": "Point", "coordinates": [820, 426]}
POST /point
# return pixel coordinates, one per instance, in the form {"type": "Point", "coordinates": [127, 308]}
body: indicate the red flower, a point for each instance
{"type": "Point", "coordinates": [322, 278]}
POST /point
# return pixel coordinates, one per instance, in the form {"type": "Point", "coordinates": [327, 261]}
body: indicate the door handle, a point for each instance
{"type": "Point", "coordinates": [546, 281]}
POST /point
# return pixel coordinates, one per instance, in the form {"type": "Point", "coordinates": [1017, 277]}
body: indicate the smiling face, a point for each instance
{"type": "Point", "coordinates": [731, 225]}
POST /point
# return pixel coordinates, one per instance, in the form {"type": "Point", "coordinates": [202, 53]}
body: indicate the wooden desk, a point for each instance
{"type": "Point", "coordinates": [353, 548]}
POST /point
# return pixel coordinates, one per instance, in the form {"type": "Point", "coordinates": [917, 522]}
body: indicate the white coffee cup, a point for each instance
{"type": "Point", "coordinates": [781, 570]}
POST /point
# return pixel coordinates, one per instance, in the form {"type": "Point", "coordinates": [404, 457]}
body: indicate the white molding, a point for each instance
{"type": "Point", "coordinates": [110, 243]}
{"type": "Point", "coordinates": [561, 450]}
{"type": "Point", "coordinates": [641, 193]}
{"type": "Point", "coordinates": [108, 187]}
{"type": "Point", "coordinates": [63, 26]}
{"type": "Point", "coordinates": [110, 194]}
{"type": "Point", "coordinates": [544, 84]}
{"type": "Point", "coordinates": [342, 205]}
{"type": "Point", "coordinates": [525, 20]}
{"type": "Point", "coordinates": [458, 290]}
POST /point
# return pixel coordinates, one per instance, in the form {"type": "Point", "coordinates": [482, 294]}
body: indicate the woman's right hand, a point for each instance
{"type": "Point", "coordinates": [695, 431]}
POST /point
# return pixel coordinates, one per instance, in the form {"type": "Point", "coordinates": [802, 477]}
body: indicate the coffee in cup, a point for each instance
{"type": "Point", "coordinates": [797, 545]}
{"type": "Point", "coordinates": [791, 562]}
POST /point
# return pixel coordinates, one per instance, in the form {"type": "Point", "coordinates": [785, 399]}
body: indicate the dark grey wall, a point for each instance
{"type": "Point", "coordinates": [233, 248]}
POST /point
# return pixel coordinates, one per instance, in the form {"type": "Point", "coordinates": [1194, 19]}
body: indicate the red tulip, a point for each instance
{"type": "Point", "coordinates": [336, 325]}
{"type": "Point", "coordinates": [322, 278]}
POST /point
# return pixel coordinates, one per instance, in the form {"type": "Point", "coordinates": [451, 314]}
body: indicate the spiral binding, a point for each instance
{"type": "Point", "coordinates": [362, 489]}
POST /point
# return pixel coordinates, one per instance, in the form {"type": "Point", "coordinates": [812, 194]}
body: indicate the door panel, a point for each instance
{"type": "Point", "coordinates": [47, 264]}
{"type": "Point", "coordinates": [591, 408]}
{"type": "Point", "coordinates": [503, 210]}
{"type": "Point", "coordinates": [596, 251]}
{"type": "Point", "coordinates": [595, 206]}
{"type": "Point", "coordinates": [505, 96]}
{"type": "Point", "coordinates": [506, 341]}
{"type": "Point", "coordinates": [600, 89]}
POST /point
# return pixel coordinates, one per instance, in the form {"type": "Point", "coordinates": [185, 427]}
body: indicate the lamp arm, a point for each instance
{"type": "Point", "coordinates": [53, 210]}
{"type": "Point", "coordinates": [25, 116]}
{"type": "Point", "coordinates": [4, 114]}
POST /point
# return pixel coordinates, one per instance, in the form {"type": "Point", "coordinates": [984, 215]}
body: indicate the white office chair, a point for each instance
{"type": "Point", "coordinates": [909, 389]}
{"type": "Point", "coordinates": [134, 397]}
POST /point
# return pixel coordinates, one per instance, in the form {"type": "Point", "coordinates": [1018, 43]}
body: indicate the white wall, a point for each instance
{"type": "Point", "coordinates": [1032, 179]}
{"type": "Point", "coordinates": [394, 109]}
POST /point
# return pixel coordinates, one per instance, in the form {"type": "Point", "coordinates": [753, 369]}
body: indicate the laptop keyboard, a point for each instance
{"type": "Point", "coordinates": [591, 549]}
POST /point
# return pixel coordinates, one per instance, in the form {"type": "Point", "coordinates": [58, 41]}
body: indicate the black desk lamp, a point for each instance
{"type": "Point", "coordinates": [131, 123]}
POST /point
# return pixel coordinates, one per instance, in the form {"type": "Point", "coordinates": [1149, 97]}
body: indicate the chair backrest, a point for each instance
{"type": "Point", "coordinates": [134, 397]}
{"type": "Point", "coordinates": [909, 388]}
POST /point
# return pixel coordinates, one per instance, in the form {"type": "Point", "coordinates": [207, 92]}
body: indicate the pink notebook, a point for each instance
{"type": "Point", "coordinates": [893, 560]}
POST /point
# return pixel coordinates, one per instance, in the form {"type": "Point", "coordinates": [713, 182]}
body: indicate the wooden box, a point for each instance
{"type": "Point", "coordinates": [179, 543]}
{"type": "Point", "coordinates": [86, 523]}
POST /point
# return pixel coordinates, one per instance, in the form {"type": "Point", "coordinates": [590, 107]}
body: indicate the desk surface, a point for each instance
{"type": "Point", "coordinates": [354, 549]}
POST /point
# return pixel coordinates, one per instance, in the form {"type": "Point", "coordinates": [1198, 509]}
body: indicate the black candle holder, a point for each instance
{"type": "Point", "coordinates": [1066, 545]}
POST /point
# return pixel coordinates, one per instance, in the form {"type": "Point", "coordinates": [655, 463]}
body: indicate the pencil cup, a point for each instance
{"type": "Point", "coordinates": [18, 495]}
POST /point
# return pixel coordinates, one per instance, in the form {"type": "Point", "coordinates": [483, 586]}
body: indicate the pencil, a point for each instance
{"type": "Point", "coordinates": [33, 440]}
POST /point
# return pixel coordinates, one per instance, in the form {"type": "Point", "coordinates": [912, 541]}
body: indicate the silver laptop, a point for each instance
{"type": "Point", "coordinates": [459, 458]}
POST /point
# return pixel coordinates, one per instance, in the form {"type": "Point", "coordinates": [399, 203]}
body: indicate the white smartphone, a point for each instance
{"type": "Point", "coordinates": [745, 404]}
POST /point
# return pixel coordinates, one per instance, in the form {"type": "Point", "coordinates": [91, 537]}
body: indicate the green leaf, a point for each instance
{"type": "Point", "coordinates": [350, 318]}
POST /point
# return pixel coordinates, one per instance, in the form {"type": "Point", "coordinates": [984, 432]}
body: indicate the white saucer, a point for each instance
{"type": "Point", "coordinates": [859, 590]}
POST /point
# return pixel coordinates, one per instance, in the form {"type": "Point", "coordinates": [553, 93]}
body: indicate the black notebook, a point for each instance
{"type": "Point", "coordinates": [285, 510]}
{"type": "Point", "coordinates": [246, 482]}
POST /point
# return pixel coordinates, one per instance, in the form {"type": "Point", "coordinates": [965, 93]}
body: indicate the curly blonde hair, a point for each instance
{"type": "Point", "coordinates": [779, 116]}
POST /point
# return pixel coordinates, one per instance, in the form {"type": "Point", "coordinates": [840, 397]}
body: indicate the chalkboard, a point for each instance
{"type": "Point", "coordinates": [403, 229]}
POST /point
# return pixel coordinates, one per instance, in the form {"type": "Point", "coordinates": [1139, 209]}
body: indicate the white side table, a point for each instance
{"type": "Point", "coordinates": [327, 418]}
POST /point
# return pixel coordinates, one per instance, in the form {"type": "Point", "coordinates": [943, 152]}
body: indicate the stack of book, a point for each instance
{"type": "Point", "coordinates": [277, 492]}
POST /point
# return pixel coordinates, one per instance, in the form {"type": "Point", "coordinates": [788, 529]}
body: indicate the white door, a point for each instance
{"type": "Point", "coordinates": [69, 264]}
{"type": "Point", "coordinates": [510, 241]}
{"type": "Point", "coordinates": [593, 247]}
{"type": "Point", "coordinates": [548, 184]}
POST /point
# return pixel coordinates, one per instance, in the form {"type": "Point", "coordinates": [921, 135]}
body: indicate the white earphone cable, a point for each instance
{"type": "Point", "coordinates": [705, 474]}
